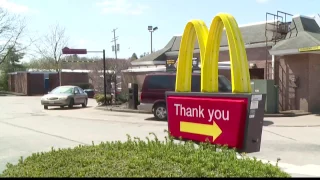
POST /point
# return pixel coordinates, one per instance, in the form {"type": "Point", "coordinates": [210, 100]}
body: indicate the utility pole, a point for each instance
{"type": "Point", "coordinates": [115, 48]}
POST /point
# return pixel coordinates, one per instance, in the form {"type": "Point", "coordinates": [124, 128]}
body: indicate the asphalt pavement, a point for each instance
{"type": "Point", "coordinates": [26, 128]}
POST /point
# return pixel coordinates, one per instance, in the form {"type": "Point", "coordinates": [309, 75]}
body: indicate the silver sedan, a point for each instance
{"type": "Point", "coordinates": [65, 96]}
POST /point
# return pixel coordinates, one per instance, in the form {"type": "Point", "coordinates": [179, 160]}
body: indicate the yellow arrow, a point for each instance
{"type": "Point", "coordinates": [202, 129]}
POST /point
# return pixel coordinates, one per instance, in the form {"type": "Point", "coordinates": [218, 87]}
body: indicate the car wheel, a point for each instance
{"type": "Point", "coordinates": [45, 107]}
{"type": "Point", "coordinates": [160, 112]}
{"type": "Point", "coordinates": [71, 103]}
{"type": "Point", "coordinates": [84, 104]}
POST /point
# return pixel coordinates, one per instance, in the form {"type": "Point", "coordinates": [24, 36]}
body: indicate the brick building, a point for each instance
{"type": "Point", "coordinates": [273, 53]}
{"type": "Point", "coordinates": [33, 83]}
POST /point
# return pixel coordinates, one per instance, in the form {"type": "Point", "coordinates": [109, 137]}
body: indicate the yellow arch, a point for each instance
{"type": "Point", "coordinates": [209, 44]}
{"type": "Point", "coordinates": [194, 29]}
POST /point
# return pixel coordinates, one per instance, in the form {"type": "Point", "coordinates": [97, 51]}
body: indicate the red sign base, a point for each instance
{"type": "Point", "coordinates": [235, 120]}
{"type": "Point", "coordinates": [221, 120]}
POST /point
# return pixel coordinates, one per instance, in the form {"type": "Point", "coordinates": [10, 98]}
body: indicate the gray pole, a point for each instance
{"type": "Point", "coordinates": [151, 42]}
{"type": "Point", "coordinates": [116, 56]}
{"type": "Point", "coordinates": [60, 69]}
{"type": "Point", "coordinates": [104, 77]}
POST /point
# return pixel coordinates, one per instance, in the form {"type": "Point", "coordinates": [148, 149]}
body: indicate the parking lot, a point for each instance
{"type": "Point", "coordinates": [26, 128]}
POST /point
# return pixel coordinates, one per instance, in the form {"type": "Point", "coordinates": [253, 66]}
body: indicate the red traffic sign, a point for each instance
{"type": "Point", "coordinates": [67, 50]}
{"type": "Point", "coordinates": [221, 120]}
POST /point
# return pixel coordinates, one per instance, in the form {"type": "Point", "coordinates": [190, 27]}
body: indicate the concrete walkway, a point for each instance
{"type": "Point", "coordinates": [299, 121]}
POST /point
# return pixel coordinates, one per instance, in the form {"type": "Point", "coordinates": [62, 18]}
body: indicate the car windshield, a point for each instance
{"type": "Point", "coordinates": [62, 90]}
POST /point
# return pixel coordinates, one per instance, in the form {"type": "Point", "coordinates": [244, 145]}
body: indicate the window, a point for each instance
{"type": "Point", "coordinates": [161, 82]}
{"type": "Point", "coordinates": [81, 90]}
{"type": "Point", "coordinates": [224, 84]}
{"type": "Point", "coordinates": [76, 91]}
{"type": "Point", "coordinates": [195, 83]}
{"type": "Point", "coordinates": [168, 82]}
{"type": "Point", "coordinates": [62, 90]}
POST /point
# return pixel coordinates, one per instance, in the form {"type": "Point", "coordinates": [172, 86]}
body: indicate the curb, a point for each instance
{"type": "Point", "coordinates": [295, 126]}
{"type": "Point", "coordinates": [11, 94]}
{"type": "Point", "coordinates": [123, 110]}
{"type": "Point", "coordinates": [286, 115]}
{"type": "Point", "coordinates": [145, 112]}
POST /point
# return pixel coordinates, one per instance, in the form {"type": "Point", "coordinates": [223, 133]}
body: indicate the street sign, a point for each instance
{"type": "Point", "coordinates": [171, 65]}
{"type": "Point", "coordinates": [307, 49]}
{"type": "Point", "coordinates": [67, 50]}
{"type": "Point", "coordinates": [217, 119]}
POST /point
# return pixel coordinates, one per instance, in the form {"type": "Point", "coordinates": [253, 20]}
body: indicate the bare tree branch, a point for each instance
{"type": "Point", "coordinates": [50, 46]}
{"type": "Point", "coordinates": [113, 69]}
{"type": "Point", "coordinates": [12, 28]}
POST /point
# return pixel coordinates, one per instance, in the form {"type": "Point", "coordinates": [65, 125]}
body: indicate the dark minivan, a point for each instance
{"type": "Point", "coordinates": [152, 97]}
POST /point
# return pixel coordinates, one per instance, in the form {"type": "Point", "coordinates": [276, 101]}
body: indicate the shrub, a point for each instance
{"type": "Point", "coordinates": [122, 97]}
{"type": "Point", "coordinates": [137, 158]}
{"type": "Point", "coordinates": [100, 98]}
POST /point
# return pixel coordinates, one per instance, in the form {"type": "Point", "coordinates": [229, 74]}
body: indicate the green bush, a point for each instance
{"type": "Point", "coordinates": [100, 98]}
{"type": "Point", "coordinates": [137, 158]}
{"type": "Point", "coordinates": [122, 97]}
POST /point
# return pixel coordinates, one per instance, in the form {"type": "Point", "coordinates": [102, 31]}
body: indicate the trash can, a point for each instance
{"type": "Point", "coordinates": [133, 96]}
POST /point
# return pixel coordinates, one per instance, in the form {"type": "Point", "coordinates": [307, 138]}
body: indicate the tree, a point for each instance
{"type": "Point", "coordinates": [10, 64]}
{"type": "Point", "coordinates": [49, 64]}
{"type": "Point", "coordinates": [51, 45]}
{"type": "Point", "coordinates": [12, 28]}
{"type": "Point", "coordinates": [144, 54]}
{"type": "Point", "coordinates": [13, 60]}
{"type": "Point", "coordinates": [113, 69]}
{"type": "Point", "coordinates": [134, 57]}
{"type": "Point", "coordinates": [41, 64]}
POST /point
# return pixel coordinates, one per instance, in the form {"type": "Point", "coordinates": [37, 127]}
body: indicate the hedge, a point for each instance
{"type": "Point", "coordinates": [138, 158]}
{"type": "Point", "coordinates": [122, 97]}
{"type": "Point", "coordinates": [100, 98]}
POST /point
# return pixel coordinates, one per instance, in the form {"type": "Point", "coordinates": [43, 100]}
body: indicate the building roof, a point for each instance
{"type": "Point", "coordinates": [253, 36]}
{"type": "Point", "coordinates": [155, 56]}
{"type": "Point", "coordinates": [305, 33]}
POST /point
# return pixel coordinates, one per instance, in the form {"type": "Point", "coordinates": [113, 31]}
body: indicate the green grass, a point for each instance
{"type": "Point", "coordinates": [138, 158]}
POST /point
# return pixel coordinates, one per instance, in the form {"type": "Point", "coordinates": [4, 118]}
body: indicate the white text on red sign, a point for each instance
{"type": "Point", "coordinates": [199, 112]}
